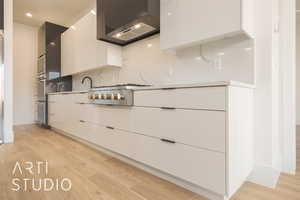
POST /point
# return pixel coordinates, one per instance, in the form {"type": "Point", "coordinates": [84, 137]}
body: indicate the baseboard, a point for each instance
{"type": "Point", "coordinates": [189, 186]}
{"type": "Point", "coordinates": [264, 175]}
{"type": "Point", "coordinates": [24, 124]}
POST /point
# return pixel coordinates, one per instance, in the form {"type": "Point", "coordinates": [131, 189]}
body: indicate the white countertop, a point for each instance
{"type": "Point", "coordinates": [200, 84]}
{"type": "Point", "coordinates": [191, 85]}
{"type": "Point", "coordinates": [69, 92]}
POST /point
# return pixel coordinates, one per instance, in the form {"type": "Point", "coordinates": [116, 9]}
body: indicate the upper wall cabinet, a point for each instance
{"type": "Point", "coordinates": [81, 51]}
{"type": "Point", "coordinates": [49, 50]}
{"type": "Point", "coordinates": [192, 22]}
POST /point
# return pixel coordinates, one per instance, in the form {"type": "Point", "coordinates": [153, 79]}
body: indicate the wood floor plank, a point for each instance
{"type": "Point", "coordinates": [96, 176]}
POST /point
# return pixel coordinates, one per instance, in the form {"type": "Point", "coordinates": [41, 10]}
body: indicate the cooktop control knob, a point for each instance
{"type": "Point", "coordinates": [109, 96]}
{"type": "Point", "coordinates": [96, 96]}
{"type": "Point", "coordinates": [115, 96]}
{"type": "Point", "coordinates": [90, 96]}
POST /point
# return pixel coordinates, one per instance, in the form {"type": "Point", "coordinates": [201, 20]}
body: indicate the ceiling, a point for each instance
{"type": "Point", "coordinates": [63, 12]}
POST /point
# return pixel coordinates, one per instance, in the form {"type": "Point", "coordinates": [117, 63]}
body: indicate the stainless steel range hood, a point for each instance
{"type": "Point", "coordinates": [125, 21]}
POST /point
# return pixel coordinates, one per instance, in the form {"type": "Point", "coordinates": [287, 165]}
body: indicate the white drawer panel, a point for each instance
{"type": "Point", "coordinates": [200, 128]}
{"type": "Point", "coordinates": [193, 98]}
{"type": "Point", "coordinates": [116, 116]}
{"type": "Point", "coordinates": [80, 98]}
{"type": "Point", "coordinates": [60, 98]}
{"type": "Point", "coordinates": [118, 141]}
{"type": "Point", "coordinates": [201, 167]}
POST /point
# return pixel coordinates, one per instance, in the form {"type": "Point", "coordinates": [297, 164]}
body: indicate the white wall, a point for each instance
{"type": "Point", "coordinates": [8, 135]}
{"type": "Point", "coordinates": [145, 63]}
{"type": "Point", "coordinates": [25, 65]}
{"type": "Point", "coordinates": [288, 84]}
{"type": "Point", "coordinates": [266, 135]}
{"type": "Point", "coordinates": [298, 71]}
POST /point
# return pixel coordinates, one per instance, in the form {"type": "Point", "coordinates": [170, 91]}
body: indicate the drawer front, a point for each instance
{"type": "Point", "coordinates": [118, 141]}
{"type": "Point", "coordinates": [116, 116]}
{"type": "Point", "coordinates": [211, 98]}
{"type": "Point", "coordinates": [61, 98]}
{"type": "Point", "coordinates": [201, 167]}
{"type": "Point", "coordinates": [80, 98]}
{"type": "Point", "coordinates": [200, 128]}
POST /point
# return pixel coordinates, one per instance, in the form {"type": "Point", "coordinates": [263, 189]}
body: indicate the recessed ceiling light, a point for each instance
{"type": "Point", "coordinates": [73, 27]}
{"type": "Point", "coordinates": [93, 12]}
{"type": "Point", "coordinates": [118, 35]}
{"type": "Point", "coordinates": [137, 26]}
{"type": "Point", "coordinates": [248, 49]}
{"type": "Point", "coordinates": [28, 15]}
{"type": "Point", "coordinates": [149, 45]}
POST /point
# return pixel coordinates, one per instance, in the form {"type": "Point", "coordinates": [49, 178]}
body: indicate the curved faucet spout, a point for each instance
{"type": "Point", "coordinates": [89, 78]}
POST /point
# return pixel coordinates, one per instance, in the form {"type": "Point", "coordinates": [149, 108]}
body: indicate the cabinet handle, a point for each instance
{"type": "Point", "coordinates": [168, 108]}
{"type": "Point", "coordinates": [81, 103]}
{"type": "Point", "coordinates": [168, 141]}
{"type": "Point", "coordinates": [81, 121]}
{"type": "Point", "coordinates": [110, 127]}
{"type": "Point", "coordinates": [169, 88]}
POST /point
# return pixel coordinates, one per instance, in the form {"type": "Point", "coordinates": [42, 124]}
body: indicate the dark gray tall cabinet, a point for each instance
{"type": "Point", "coordinates": [1, 14]}
{"type": "Point", "coordinates": [49, 68]}
{"type": "Point", "coordinates": [49, 50]}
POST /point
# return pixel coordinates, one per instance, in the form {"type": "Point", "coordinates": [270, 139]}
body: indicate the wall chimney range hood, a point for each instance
{"type": "Point", "coordinates": [123, 22]}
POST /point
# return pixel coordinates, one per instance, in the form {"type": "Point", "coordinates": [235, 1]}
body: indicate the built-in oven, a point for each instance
{"type": "Point", "coordinates": [41, 112]}
{"type": "Point", "coordinates": [41, 101]}
{"type": "Point", "coordinates": [42, 65]}
{"type": "Point", "coordinates": [41, 87]}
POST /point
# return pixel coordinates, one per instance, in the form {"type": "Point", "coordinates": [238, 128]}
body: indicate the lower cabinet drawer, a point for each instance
{"type": "Point", "coordinates": [212, 98]}
{"type": "Point", "coordinates": [200, 128]}
{"type": "Point", "coordinates": [200, 167]}
{"type": "Point", "coordinates": [118, 141]}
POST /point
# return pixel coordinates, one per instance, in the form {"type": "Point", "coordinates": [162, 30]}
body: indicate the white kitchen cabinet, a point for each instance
{"type": "Point", "coordinates": [81, 51]}
{"type": "Point", "coordinates": [208, 98]}
{"type": "Point", "coordinates": [200, 136]}
{"type": "Point", "coordinates": [198, 166]}
{"type": "Point", "coordinates": [192, 22]}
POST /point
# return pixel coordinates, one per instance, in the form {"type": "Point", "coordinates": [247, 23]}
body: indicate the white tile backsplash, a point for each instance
{"type": "Point", "coordinates": [145, 63]}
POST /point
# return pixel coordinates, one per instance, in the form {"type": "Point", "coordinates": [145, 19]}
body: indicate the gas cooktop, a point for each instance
{"type": "Point", "coordinates": [120, 94]}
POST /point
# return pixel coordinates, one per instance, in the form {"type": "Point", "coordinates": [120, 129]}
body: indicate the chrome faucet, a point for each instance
{"type": "Point", "coordinates": [87, 77]}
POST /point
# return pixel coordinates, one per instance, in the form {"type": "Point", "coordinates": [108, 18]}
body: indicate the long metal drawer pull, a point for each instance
{"type": "Point", "coordinates": [168, 108]}
{"type": "Point", "coordinates": [168, 141]}
{"type": "Point", "coordinates": [82, 121]}
{"type": "Point", "coordinates": [169, 88]}
{"type": "Point", "coordinates": [110, 127]}
{"type": "Point", "coordinates": [81, 103]}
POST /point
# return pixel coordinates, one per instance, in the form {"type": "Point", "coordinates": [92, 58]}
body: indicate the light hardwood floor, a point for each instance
{"type": "Point", "coordinates": [96, 176]}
